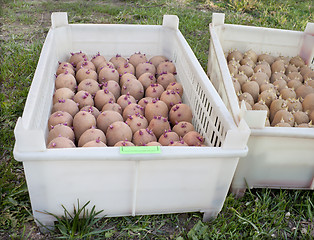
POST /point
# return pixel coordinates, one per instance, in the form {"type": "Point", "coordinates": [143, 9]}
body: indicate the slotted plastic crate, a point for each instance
{"type": "Point", "coordinates": [177, 179]}
{"type": "Point", "coordinates": [277, 157]}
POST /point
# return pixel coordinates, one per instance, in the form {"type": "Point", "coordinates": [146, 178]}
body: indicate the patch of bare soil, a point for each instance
{"type": "Point", "coordinates": [30, 231]}
{"type": "Point", "coordinates": [14, 27]}
{"type": "Point", "coordinates": [28, 32]}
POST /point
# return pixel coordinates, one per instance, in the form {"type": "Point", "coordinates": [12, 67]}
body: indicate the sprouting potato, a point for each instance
{"type": "Point", "coordinates": [124, 102]}
{"type": "Point", "coordinates": [286, 88]}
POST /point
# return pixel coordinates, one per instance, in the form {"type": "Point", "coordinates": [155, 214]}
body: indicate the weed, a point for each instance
{"type": "Point", "coordinates": [78, 225]}
{"type": "Point", "coordinates": [242, 5]}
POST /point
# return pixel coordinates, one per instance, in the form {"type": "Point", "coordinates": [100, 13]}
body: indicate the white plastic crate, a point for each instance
{"type": "Point", "coordinates": [277, 157]}
{"type": "Point", "coordinates": [178, 179]}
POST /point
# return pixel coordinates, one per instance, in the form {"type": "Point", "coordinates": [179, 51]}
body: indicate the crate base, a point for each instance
{"type": "Point", "coordinates": [44, 222]}
{"type": "Point", "coordinates": [238, 192]}
{"type": "Point", "coordinates": [210, 215]}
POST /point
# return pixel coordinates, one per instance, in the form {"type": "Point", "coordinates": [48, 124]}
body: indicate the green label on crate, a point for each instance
{"type": "Point", "coordinates": [139, 149]}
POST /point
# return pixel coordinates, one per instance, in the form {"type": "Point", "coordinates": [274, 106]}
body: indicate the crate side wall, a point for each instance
{"type": "Point", "coordinates": [124, 188]}
{"type": "Point", "coordinates": [262, 40]}
{"type": "Point", "coordinates": [110, 40]}
{"type": "Point", "coordinates": [107, 184]}
{"type": "Point", "coordinates": [276, 162]}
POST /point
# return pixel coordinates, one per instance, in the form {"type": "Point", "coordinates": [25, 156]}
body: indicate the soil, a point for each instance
{"type": "Point", "coordinates": [30, 231]}
{"type": "Point", "coordinates": [40, 20]}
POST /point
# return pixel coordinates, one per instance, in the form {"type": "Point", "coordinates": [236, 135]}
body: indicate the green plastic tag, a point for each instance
{"type": "Point", "coordinates": [139, 149]}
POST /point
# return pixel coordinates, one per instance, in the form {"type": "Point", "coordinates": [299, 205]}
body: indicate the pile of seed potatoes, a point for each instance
{"type": "Point", "coordinates": [283, 86]}
{"type": "Point", "coordinates": [133, 101]}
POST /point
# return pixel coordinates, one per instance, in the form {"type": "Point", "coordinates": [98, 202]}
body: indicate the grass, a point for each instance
{"type": "Point", "coordinates": [260, 214]}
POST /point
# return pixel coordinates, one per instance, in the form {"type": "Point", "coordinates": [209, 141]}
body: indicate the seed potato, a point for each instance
{"type": "Point", "coordinates": [94, 97]}
{"type": "Point", "coordinates": [285, 85]}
